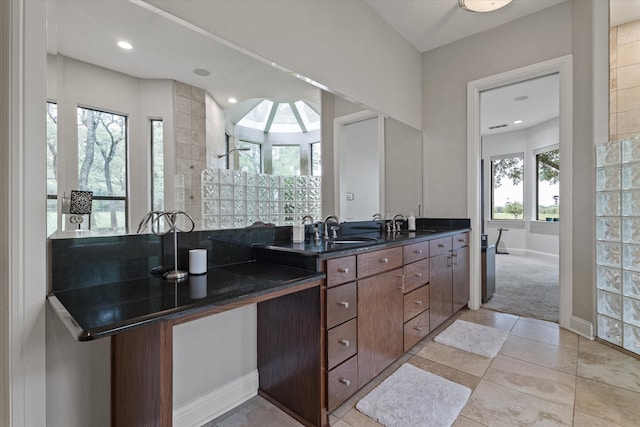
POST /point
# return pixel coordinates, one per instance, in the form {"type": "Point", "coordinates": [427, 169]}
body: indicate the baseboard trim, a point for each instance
{"type": "Point", "coordinates": [581, 327]}
{"type": "Point", "coordinates": [549, 256]}
{"type": "Point", "coordinates": [211, 405]}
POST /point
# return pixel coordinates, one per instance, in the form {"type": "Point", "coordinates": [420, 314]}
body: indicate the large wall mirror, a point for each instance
{"type": "Point", "coordinates": [137, 124]}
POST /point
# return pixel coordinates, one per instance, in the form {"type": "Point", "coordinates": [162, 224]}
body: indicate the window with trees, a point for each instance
{"type": "Point", "coordinates": [285, 159]}
{"type": "Point", "coordinates": [548, 184]}
{"type": "Point", "coordinates": [52, 167]}
{"type": "Point", "coordinates": [507, 190]}
{"type": "Point", "coordinates": [250, 159]}
{"type": "Point", "coordinates": [157, 164]}
{"type": "Point", "coordinates": [102, 166]}
{"type": "Point", "coordinates": [316, 159]}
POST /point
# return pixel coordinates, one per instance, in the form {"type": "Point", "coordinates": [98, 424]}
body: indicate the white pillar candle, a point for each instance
{"type": "Point", "coordinates": [197, 261]}
{"type": "Point", "coordinates": [198, 286]}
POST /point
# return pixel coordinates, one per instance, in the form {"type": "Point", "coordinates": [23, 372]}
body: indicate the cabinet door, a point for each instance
{"type": "Point", "coordinates": [460, 263]}
{"type": "Point", "coordinates": [380, 323]}
{"type": "Point", "coordinates": [440, 290]}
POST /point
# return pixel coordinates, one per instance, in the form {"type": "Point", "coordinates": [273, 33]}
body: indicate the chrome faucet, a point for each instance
{"type": "Point", "coordinates": [395, 225]}
{"type": "Point", "coordinates": [377, 216]}
{"type": "Point", "coordinates": [333, 219]}
{"type": "Point", "coordinates": [307, 218]}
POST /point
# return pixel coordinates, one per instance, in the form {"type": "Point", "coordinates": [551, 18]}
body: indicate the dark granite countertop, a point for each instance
{"type": "Point", "coordinates": [102, 310]}
{"type": "Point", "coordinates": [360, 242]}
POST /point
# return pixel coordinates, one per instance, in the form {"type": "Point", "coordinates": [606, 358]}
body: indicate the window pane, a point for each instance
{"type": "Point", "coordinates": [316, 159]}
{"type": "Point", "coordinates": [310, 118]}
{"type": "Point", "coordinates": [284, 120]}
{"type": "Point", "coordinates": [507, 188]}
{"type": "Point", "coordinates": [250, 161]}
{"type": "Point", "coordinates": [52, 216]}
{"type": "Point", "coordinates": [285, 159]}
{"type": "Point", "coordinates": [108, 215]}
{"type": "Point", "coordinates": [52, 149]}
{"type": "Point", "coordinates": [257, 117]}
{"type": "Point", "coordinates": [157, 165]}
{"type": "Point", "coordinates": [548, 181]}
{"type": "Point", "coordinates": [102, 153]}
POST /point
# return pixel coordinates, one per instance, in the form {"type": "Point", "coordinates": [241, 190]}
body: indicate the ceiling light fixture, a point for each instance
{"type": "Point", "coordinates": [482, 5]}
{"type": "Point", "coordinates": [201, 72]}
{"type": "Point", "coordinates": [125, 45]}
{"type": "Point", "coordinates": [517, 122]}
{"type": "Point", "coordinates": [521, 98]}
{"type": "Point", "coordinates": [232, 100]}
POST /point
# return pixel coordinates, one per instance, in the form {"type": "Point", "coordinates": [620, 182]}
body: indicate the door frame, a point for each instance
{"type": "Point", "coordinates": [564, 67]}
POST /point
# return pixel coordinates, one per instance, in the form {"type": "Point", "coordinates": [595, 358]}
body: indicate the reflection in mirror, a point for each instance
{"type": "Point", "coordinates": [176, 105]}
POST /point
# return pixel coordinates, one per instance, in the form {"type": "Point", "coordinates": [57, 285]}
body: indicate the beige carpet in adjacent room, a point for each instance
{"type": "Point", "coordinates": [526, 285]}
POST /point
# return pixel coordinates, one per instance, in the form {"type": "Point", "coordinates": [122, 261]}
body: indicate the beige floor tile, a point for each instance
{"type": "Point", "coordinates": [599, 362]}
{"type": "Point", "coordinates": [548, 355]}
{"type": "Point", "coordinates": [356, 418]}
{"type": "Point", "coordinates": [612, 404]}
{"type": "Point", "coordinates": [503, 321]}
{"type": "Point", "coordinates": [466, 422]}
{"type": "Point", "coordinates": [496, 405]}
{"type": "Point", "coordinates": [535, 380]}
{"type": "Point", "coordinates": [545, 332]}
{"type": "Point", "coordinates": [581, 419]}
{"type": "Point", "coordinates": [258, 412]}
{"type": "Point", "coordinates": [454, 358]}
{"type": "Point", "coordinates": [447, 372]}
{"type": "Point", "coordinates": [339, 423]}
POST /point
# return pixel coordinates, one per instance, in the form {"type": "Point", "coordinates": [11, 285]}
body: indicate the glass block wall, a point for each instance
{"type": "Point", "coordinates": [235, 199]}
{"type": "Point", "coordinates": [618, 242]}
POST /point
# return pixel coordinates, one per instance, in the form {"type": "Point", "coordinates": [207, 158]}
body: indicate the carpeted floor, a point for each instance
{"type": "Point", "coordinates": [526, 286]}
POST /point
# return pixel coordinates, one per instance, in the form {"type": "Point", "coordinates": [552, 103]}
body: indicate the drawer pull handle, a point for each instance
{"type": "Point", "coordinates": [344, 343]}
{"type": "Point", "coordinates": [418, 274]}
{"type": "Point", "coordinates": [384, 260]}
{"type": "Point", "coordinates": [417, 251]}
{"type": "Point", "coordinates": [344, 381]}
{"type": "Point", "coordinates": [343, 304]}
{"type": "Point", "coordinates": [442, 245]}
{"type": "Point", "coordinates": [461, 240]}
{"type": "Point", "coordinates": [418, 329]}
{"type": "Point", "coordinates": [343, 270]}
{"type": "Point", "coordinates": [418, 302]}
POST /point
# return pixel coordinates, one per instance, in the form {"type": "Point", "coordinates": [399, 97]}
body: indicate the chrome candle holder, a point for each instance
{"type": "Point", "coordinates": [165, 222]}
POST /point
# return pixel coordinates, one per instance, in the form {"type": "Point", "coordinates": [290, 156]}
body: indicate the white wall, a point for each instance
{"type": "Point", "coordinates": [527, 235]}
{"type": "Point", "coordinates": [344, 45]}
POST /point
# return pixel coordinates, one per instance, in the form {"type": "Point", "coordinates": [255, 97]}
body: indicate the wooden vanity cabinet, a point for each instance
{"type": "Point", "coordinates": [449, 277]}
{"type": "Point", "coordinates": [416, 293]}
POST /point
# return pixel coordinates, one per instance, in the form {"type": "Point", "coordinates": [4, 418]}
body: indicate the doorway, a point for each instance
{"type": "Point", "coordinates": [519, 127]}
{"type": "Point", "coordinates": [563, 67]}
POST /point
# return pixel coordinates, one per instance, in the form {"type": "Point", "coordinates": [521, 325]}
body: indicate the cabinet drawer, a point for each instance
{"type": "Point", "coordinates": [341, 270]}
{"type": "Point", "coordinates": [415, 252]}
{"type": "Point", "coordinates": [342, 304]}
{"type": "Point", "coordinates": [416, 302]}
{"type": "Point", "coordinates": [416, 275]}
{"type": "Point", "coordinates": [440, 246]}
{"type": "Point", "coordinates": [342, 343]}
{"type": "Point", "coordinates": [416, 329]}
{"type": "Point", "coordinates": [342, 382]}
{"type": "Point", "coordinates": [460, 240]}
{"type": "Point", "coordinates": [379, 261]}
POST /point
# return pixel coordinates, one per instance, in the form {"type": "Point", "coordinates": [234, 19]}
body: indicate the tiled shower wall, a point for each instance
{"type": "Point", "coordinates": [235, 199]}
{"type": "Point", "coordinates": [624, 90]}
{"type": "Point", "coordinates": [190, 140]}
{"type": "Point", "coordinates": [618, 242]}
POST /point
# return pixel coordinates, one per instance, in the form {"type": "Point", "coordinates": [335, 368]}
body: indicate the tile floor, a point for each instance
{"type": "Point", "coordinates": [543, 376]}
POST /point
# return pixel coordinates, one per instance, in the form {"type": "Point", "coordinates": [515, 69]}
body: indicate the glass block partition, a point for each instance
{"type": "Point", "coordinates": [618, 242]}
{"type": "Point", "coordinates": [236, 199]}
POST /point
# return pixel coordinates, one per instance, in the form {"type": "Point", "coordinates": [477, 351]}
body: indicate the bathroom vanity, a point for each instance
{"type": "Point", "coordinates": [331, 314]}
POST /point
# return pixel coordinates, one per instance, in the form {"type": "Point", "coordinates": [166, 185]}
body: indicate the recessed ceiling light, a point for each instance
{"type": "Point", "coordinates": [232, 100]}
{"type": "Point", "coordinates": [521, 98]}
{"type": "Point", "coordinates": [125, 45]}
{"type": "Point", "coordinates": [201, 72]}
{"type": "Point", "coordinates": [482, 5]}
{"type": "Point", "coordinates": [517, 122]}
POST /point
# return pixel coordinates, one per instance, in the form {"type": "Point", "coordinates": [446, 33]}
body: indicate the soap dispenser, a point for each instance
{"type": "Point", "coordinates": [412, 222]}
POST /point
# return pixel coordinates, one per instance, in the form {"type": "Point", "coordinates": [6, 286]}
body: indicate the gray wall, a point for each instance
{"type": "Point", "coordinates": [551, 33]}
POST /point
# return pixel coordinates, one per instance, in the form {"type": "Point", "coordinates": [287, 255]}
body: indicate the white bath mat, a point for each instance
{"type": "Point", "coordinates": [479, 339]}
{"type": "Point", "coordinates": [411, 397]}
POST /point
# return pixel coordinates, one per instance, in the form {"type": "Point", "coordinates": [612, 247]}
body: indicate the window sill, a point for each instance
{"type": "Point", "coordinates": [513, 223]}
